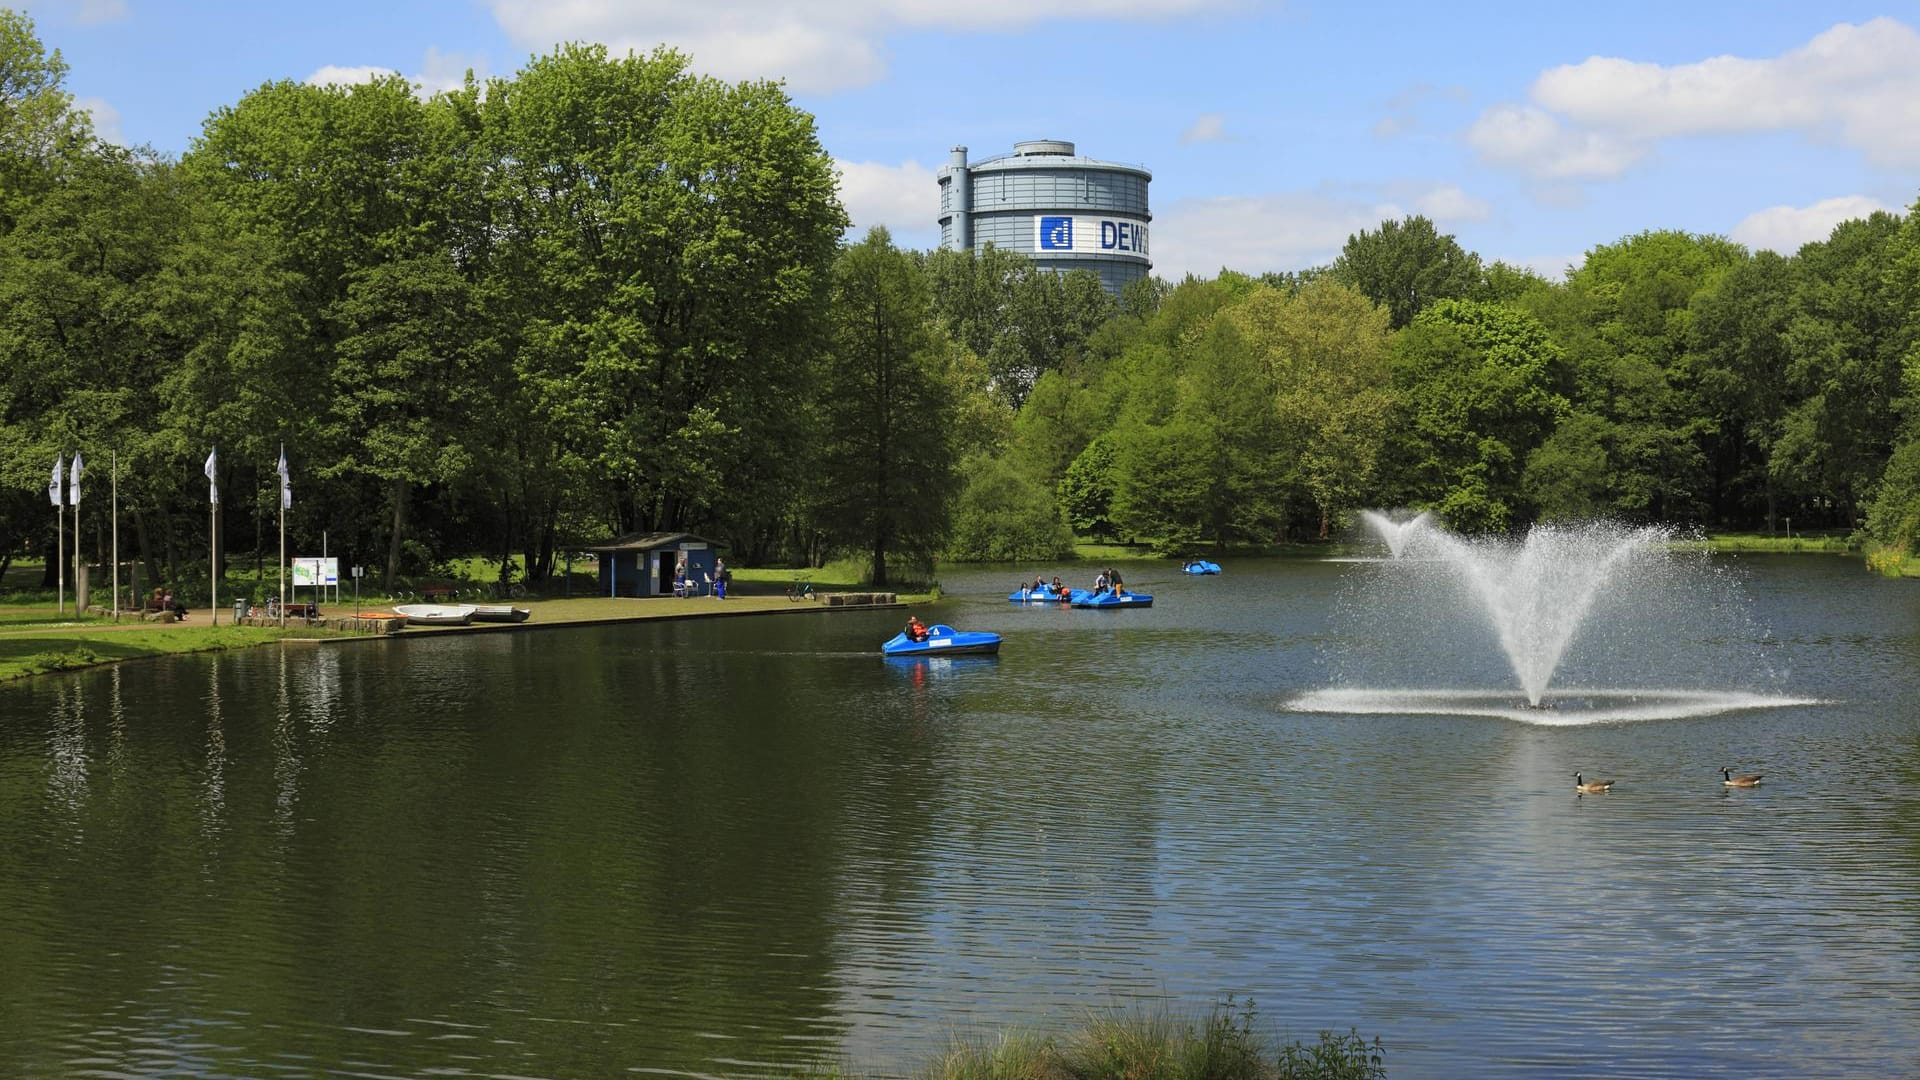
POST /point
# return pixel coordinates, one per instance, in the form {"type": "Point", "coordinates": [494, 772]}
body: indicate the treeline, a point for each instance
{"type": "Point", "coordinates": [1672, 377]}
{"type": "Point", "coordinates": [606, 295]}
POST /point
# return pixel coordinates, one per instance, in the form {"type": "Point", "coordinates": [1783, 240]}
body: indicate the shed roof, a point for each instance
{"type": "Point", "coordinates": [651, 541]}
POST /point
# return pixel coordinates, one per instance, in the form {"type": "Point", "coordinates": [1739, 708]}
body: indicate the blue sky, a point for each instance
{"type": "Point", "coordinates": [1273, 129]}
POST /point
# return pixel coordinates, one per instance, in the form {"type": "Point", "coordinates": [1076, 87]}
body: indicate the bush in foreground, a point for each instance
{"type": "Point", "coordinates": [1157, 1046]}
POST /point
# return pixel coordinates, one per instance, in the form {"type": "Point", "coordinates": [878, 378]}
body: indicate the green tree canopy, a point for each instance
{"type": "Point", "coordinates": [1406, 265]}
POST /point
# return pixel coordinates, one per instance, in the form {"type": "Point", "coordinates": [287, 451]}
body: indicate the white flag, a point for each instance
{"type": "Point", "coordinates": [53, 484]}
{"type": "Point", "coordinates": [213, 469]}
{"type": "Point", "coordinates": [286, 482]}
{"type": "Point", "coordinates": [73, 484]}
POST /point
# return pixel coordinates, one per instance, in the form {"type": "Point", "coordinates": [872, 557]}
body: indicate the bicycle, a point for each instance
{"type": "Point", "coordinates": [801, 590]}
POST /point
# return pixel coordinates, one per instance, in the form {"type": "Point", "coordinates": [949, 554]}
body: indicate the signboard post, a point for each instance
{"type": "Point", "coordinates": [314, 572]}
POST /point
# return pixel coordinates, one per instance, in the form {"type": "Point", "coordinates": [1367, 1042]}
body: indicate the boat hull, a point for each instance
{"type": "Point", "coordinates": [1107, 601]}
{"type": "Point", "coordinates": [1037, 596]}
{"type": "Point", "coordinates": [943, 640]}
{"type": "Point", "coordinates": [436, 614]}
{"type": "Point", "coordinates": [1200, 566]}
{"type": "Point", "coordinates": [500, 613]}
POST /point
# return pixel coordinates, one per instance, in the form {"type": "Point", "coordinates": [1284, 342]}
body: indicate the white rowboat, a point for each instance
{"type": "Point", "coordinates": [500, 613]}
{"type": "Point", "coordinates": [437, 614]}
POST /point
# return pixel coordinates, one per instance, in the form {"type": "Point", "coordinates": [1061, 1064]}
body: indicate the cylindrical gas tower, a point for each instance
{"type": "Point", "coordinates": [1062, 211]}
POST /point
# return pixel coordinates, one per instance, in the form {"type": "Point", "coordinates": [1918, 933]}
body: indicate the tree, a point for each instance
{"type": "Point", "coordinates": [1086, 491]}
{"type": "Point", "coordinates": [1206, 470]}
{"type": "Point", "coordinates": [1480, 387]}
{"type": "Point", "coordinates": [1624, 321]}
{"type": "Point", "coordinates": [1848, 336]}
{"type": "Point", "coordinates": [1023, 321]}
{"type": "Point", "coordinates": [1405, 266]}
{"type": "Point", "coordinates": [1005, 514]}
{"type": "Point", "coordinates": [367, 199]}
{"type": "Point", "coordinates": [888, 457]}
{"type": "Point", "coordinates": [668, 243]}
{"type": "Point", "coordinates": [1739, 329]}
{"type": "Point", "coordinates": [40, 131]}
{"type": "Point", "coordinates": [1325, 349]}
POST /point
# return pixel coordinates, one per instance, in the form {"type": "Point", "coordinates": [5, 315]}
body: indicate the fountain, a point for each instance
{"type": "Point", "coordinates": [1395, 533]}
{"type": "Point", "coordinates": [1623, 592]}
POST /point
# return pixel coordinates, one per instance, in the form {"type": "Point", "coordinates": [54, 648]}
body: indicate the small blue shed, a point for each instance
{"type": "Point", "coordinates": [645, 564]}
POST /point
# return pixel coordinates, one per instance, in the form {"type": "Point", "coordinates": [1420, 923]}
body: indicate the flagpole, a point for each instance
{"type": "Point", "coordinates": [213, 533]}
{"type": "Point", "coordinates": [77, 564]}
{"type": "Point", "coordinates": [286, 496]}
{"type": "Point", "coordinates": [113, 468]}
{"type": "Point", "coordinates": [60, 538]}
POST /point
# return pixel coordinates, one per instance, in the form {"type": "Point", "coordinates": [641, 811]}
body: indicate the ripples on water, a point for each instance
{"type": "Point", "coordinates": [726, 848]}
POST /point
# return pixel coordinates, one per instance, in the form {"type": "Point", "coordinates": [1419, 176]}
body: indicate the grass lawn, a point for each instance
{"type": "Point", "coordinates": [1839, 543]}
{"type": "Point", "coordinates": [63, 646]}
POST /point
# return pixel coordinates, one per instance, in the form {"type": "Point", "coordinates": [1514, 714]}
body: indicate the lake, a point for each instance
{"type": "Point", "coordinates": [733, 846]}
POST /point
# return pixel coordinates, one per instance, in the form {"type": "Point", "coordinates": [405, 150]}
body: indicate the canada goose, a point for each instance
{"type": "Point", "coordinates": [1729, 780]}
{"type": "Point", "coordinates": [1591, 787]}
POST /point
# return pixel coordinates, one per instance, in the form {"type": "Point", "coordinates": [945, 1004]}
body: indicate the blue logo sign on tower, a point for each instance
{"type": "Point", "coordinates": [1056, 234]}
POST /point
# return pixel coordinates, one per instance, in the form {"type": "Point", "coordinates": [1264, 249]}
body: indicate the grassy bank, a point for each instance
{"type": "Point", "coordinates": [1221, 1046]}
{"type": "Point", "coordinates": [27, 649]}
{"type": "Point", "coordinates": [1832, 543]}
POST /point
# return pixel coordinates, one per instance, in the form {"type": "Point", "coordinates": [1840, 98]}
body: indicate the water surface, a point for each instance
{"type": "Point", "coordinates": [723, 847]}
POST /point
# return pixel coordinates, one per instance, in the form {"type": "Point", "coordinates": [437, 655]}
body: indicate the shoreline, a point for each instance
{"type": "Point", "coordinates": [76, 646]}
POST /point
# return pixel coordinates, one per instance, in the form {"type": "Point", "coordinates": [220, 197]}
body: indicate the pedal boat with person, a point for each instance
{"type": "Point", "coordinates": [942, 640]}
{"type": "Point", "coordinates": [1109, 599]}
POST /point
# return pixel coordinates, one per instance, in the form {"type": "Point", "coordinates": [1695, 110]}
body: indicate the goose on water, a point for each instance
{"type": "Point", "coordinates": [1748, 780]}
{"type": "Point", "coordinates": [1591, 787]}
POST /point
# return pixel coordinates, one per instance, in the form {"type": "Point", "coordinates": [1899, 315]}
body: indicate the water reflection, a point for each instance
{"type": "Point", "coordinates": [213, 782]}
{"type": "Point", "coordinates": [717, 848]}
{"type": "Point", "coordinates": [67, 772]}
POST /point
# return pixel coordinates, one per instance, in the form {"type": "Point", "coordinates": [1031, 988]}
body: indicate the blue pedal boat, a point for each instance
{"type": "Point", "coordinates": [1200, 566]}
{"type": "Point", "coordinates": [1109, 601]}
{"type": "Point", "coordinates": [943, 640]}
{"type": "Point", "coordinates": [1048, 595]}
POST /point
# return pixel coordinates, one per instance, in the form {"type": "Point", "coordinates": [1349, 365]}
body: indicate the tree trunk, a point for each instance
{"type": "Point", "coordinates": [146, 549]}
{"type": "Point", "coordinates": [259, 541]}
{"type": "Point", "coordinates": [173, 548]}
{"type": "Point", "coordinates": [399, 523]}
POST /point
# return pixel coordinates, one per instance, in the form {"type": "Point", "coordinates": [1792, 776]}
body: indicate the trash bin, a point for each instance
{"type": "Point", "coordinates": [240, 608]}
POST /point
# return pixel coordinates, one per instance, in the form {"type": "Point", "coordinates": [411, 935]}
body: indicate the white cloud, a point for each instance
{"type": "Point", "coordinates": [95, 12]}
{"type": "Point", "coordinates": [336, 75]}
{"type": "Point", "coordinates": [1206, 128]}
{"type": "Point", "coordinates": [1254, 234]}
{"type": "Point", "coordinates": [1854, 85]}
{"type": "Point", "coordinates": [106, 118]}
{"type": "Point", "coordinates": [89, 12]}
{"type": "Point", "coordinates": [818, 46]}
{"type": "Point", "coordinates": [1528, 138]}
{"type": "Point", "coordinates": [1786, 229]}
{"type": "Point", "coordinates": [1449, 202]}
{"type": "Point", "coordinates": [1405, 107]}
{"type": "Point", "coordinates": [905, 197]}
{"type": "Point", "coordinates": [1551, 267]}
{"type": "Point", "coordinates": [439, 72]}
